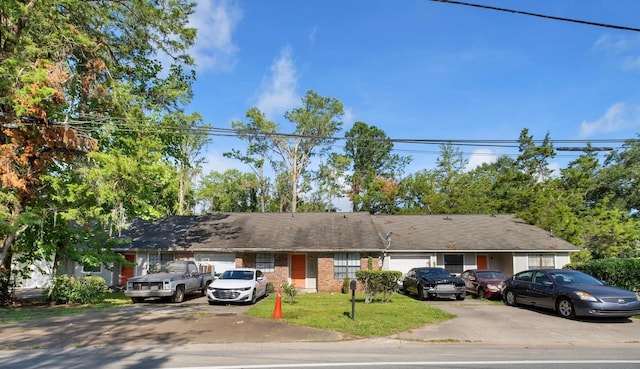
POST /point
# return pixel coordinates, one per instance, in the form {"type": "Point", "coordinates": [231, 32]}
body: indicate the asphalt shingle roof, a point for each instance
{"type": "Point", "coordinates": [466, 233]}
{"type": "Point", "coordinates": [225, 232]}
{"type": "Point", "coordinates": [300, 232]}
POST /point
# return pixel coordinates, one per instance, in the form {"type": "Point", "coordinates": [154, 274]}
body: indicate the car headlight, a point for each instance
{"type": "Point", "coordinates": [585, 296]}
{"type": "Point", "coordinates": [493, 287]}
{"type": "Point", "coordinates": [246, 288]}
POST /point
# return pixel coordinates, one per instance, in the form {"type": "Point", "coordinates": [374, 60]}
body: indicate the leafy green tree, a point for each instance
{"type": "Point", "coordinates": [371, 153]}
{"type": "Point", "coordinates": [231, 191]}
{"type": "Point", "coordinates": [185, 138]}
{"type": "Point", "coordinates": [417, 193]}
{"type": "Point", "coordinates": [619, 180]}
{"type": "Point", "coordinates": [93, 65]}
{"type": "Point", "coordinates": [580, 178]}
{"type": "Point", "coordinates": [315, 124]}
{"type": "Point", "coordinates": [475, 195]}
{"type": "Point", "coordinates": [534, 159]}
{"type": "Point", "coordinates": [504, 183]}
{"type": "Point", "coordinates": [330, 178]}
{"type": "Point", "coordinates": [256, 163]}
{"type": "Point", "coordinates": [611, 232]}
{"type": "Point", "coordinates": [448, 178]}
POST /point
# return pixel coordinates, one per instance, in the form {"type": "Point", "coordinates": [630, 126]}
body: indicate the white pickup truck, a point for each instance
{"type": "Point", "coordinates": [174, 280]}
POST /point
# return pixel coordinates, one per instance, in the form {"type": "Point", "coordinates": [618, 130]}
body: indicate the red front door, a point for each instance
{"type": "Point", "coordinates": [481, 260]}
{"type": "Point", "coordinates": [127, 272]}
{"type": "Point", "coordinates": [298, 270]}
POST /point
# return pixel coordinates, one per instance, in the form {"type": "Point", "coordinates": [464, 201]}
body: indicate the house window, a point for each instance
{"type": "Point", "coordinates": [155, 260]}
{"type": "Point", "coordinates": [454, 263]}
{"type": "Point", "coordinates": [91, 269]}
{"type": "Point", "coordinates": [538, 261]}
{"type": "Point", "coordinates": [265, 262]}
{"type": "Point", "coordinates": [345, 265]}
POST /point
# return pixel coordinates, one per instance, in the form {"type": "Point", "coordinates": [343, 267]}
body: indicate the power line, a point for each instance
{"type": "Point", "coordinates": [624, 28]}
{"type": "Point", "coordinates": [106, 125]}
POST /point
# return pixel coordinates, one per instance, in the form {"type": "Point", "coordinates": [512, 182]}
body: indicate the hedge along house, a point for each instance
{"type": "Point", "coordinates": [460, 242]}
{"type": "Point", "coordinates": [312, 251]}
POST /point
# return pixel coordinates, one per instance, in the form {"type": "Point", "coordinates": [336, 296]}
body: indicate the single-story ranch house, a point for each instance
{"type": "Point", "coordinates": [317, 251]}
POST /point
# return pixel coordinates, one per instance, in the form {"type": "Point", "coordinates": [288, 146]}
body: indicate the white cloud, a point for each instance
{"type": "Point", "coordinates": [617, 44]}
{"type": "Point", "coordinates": [631, 63]}
{"type": "Point", "coordinates": [348, 118]}
{"type": "Point", "coordinates": [480, 157]}
{"type": "Point", "coordinates": [618, 117]}
{"type": "Point", "coordinates": [312, 36]}
{"type": "Point", "coordinates": [215, 21]}
{"type": "Point", "coordinates": [278, 91]}
{"type": "Point", "coordinates": [217, 162]}
{"type": "Point", "coordinates": [555, 168]}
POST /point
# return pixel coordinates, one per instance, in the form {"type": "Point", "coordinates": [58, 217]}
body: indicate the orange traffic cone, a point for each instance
{"type": "Point", "coordinates": [277, 310]}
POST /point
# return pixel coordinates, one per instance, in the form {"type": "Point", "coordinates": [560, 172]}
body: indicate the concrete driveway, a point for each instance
{"type": "Point", "coordinates": [196, 322]}
{"type": "Point", "coordinates": [490, 322]}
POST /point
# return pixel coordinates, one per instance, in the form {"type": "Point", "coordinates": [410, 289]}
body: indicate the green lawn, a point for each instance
{"type": "Point", "coordinates": [333, 312]}
{"type": "Point", "coordinates": [37, 309]}
{"type": "Point", "coordinates": [324, 311]}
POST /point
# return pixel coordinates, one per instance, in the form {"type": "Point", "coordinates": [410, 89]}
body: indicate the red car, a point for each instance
{"type": "Point", "coordinates": [483, 283]}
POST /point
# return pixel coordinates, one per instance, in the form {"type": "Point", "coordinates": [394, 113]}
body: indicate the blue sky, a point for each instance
{"type": "Point", "coordinates": [421, 69]}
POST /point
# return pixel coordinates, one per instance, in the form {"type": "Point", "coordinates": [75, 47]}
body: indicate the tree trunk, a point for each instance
{"type": "Point", "coordinates": [294, 186]}
{"type": "Point", "coordinates": [5, 254]}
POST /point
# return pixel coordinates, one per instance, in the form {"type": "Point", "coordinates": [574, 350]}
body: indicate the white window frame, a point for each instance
{"type": "Point", "coordinates": [459, 268]}
{"type": "Point", "coordinates": [345, 264]}
{"type": "Point", "coordinates": [155, 258]}
{"type": "Point", "coordinates": [539, 261]}
{"type": "Point", "coordinates": [266, 262]}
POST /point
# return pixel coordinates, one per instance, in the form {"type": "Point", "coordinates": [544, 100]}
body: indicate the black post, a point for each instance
{"type": "Point", "coordinates": [352, 285]}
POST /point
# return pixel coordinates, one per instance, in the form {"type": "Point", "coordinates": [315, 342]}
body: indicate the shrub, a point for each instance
{"type": "Point", "coordinates": [270, 287]}
{"type": "Point", "coordinates": [66, 289]}
{"type": "Point", "coordinates": [346, 284]}
{"type": "Point", "coordinates": [290, 291]}
{"type": "Point", "coordinates": [623, 273]}
{"type": "Point", "coordinates": [378, 281]}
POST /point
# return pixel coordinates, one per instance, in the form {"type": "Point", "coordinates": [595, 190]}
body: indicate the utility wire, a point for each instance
{"type": "Point", "coordinates": [103, 125]}
{"type": "Point", "coordinates": [624, 28]}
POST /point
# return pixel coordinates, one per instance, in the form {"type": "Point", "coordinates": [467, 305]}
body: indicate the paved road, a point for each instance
{"type": "Point", "coordinates": [196, 335]}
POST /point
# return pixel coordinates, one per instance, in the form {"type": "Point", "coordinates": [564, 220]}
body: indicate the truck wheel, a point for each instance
{"type": "Point", "coordinates": [204, 289]}
{"type": "Point", "coordinates": [178, 296]}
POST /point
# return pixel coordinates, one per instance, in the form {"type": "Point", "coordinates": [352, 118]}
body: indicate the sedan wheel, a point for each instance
{"type": "Point", "coordinates": [564, 307]}
{"type": "Point", "coordinates": [420, 290]}
{"type": "Point", "coordinates": [254, 296]}
{"type": "Point", "coordinates": [510, 298]}
{"type": "Point", "coordinates": [481, 294]}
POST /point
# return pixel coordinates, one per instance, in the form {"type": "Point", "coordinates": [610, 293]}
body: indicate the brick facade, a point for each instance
{"type": "Point", "coordinates": [325, 282]}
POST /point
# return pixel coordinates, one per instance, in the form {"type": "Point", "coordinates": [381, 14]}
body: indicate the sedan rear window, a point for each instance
{"type": "Point", "coordinates": [575, 278]}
